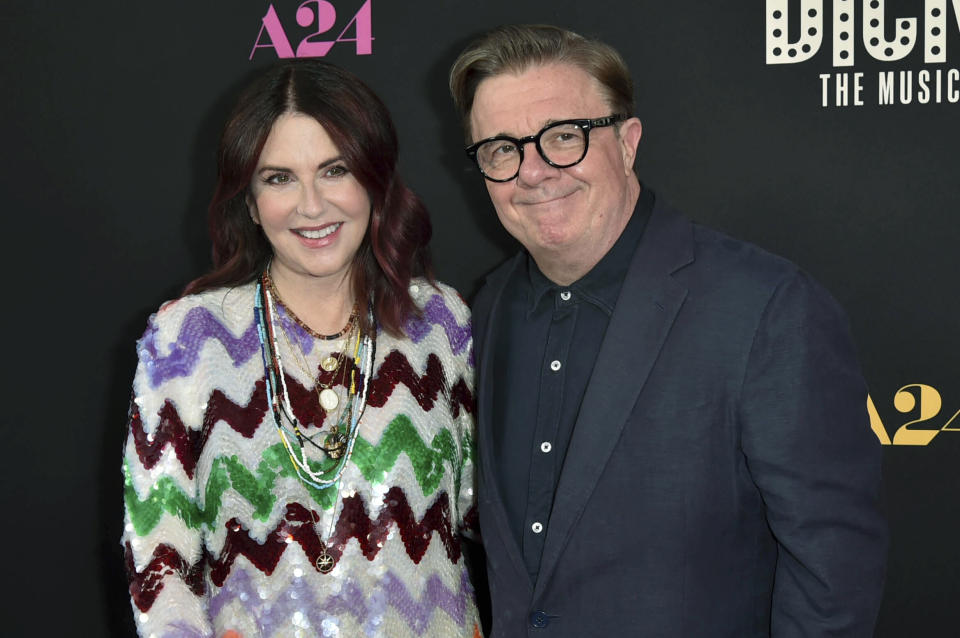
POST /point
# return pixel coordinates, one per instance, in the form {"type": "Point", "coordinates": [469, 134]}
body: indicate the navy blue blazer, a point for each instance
{"type": "Point", "coordinates": [722, 480]}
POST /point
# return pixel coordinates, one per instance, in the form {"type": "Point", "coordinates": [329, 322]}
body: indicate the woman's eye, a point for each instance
{"type": "Point", "coordinates": [278, 179]}
{"type": "Point", "coordinates": [336, 171]}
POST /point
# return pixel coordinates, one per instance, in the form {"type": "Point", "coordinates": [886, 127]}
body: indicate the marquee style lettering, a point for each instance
{"type": "Point", "coordinates": [843, 21]}
{"type": "Point", "coordinates": [874, 40]}
{"type": "Point", "coordinates": [278, 38]}
{"type": "Point", "coordinates": [779, 48]}
{"type": "Point", "coordinates": [935, 27]}
{"type": "Point", "coordinates": [321, 16]}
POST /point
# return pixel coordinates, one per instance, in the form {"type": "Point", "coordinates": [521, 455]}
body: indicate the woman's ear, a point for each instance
{"type": "Point", "coordinates": [252, 208]}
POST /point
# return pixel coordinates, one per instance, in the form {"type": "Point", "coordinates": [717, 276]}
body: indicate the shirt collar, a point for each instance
{"type": "Point", "coordinates": [601, 285]}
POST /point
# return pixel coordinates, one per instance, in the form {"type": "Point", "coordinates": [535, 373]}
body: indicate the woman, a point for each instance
{"type": "Point", "coordinates": [299, 455]}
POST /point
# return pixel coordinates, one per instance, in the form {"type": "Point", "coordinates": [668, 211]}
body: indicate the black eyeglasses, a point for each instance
{"type": "Point", "coordinates": [561, 144]}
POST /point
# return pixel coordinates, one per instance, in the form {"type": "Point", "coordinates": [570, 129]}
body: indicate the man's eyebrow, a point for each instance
{"type": "Point", "coordinates": [549, 122]}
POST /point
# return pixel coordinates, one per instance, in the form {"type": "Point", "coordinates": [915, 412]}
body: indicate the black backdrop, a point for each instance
{"type": "Point", "coordinates": [111, 113]}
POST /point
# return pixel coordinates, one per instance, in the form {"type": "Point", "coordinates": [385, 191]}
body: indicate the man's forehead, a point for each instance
{"type": "Point", "coordinates": [522, 102]}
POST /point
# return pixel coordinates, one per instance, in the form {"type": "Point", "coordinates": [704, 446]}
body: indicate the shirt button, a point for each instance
{"type": "Point", "coordinates": [565, 295]}
{"type": "Point", "coordinates": [545, 447]}
{"type": "Point", "coordinates": [554, 365]}
{"type": "Point", "coordinates": [537, 527]}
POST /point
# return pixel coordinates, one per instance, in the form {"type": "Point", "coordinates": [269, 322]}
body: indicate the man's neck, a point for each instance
{"type": "Point", "coordinates": [565, 266]}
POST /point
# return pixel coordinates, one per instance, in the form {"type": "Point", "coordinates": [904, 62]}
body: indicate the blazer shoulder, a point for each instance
{"type": "Point", "coordinates": [493, 283]}
{"type": "Point", "coordinates": [714, 265]}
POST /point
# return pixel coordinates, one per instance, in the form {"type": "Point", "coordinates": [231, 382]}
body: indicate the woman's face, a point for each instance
{"type": "Point", "coordinates": [311, 208]}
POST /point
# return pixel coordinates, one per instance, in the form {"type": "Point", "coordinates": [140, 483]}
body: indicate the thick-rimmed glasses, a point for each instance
{"type": "Point", "coordinates": [561, 144]}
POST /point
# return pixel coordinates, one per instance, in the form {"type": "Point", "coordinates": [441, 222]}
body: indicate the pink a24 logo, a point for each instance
{"type": "Point", "coordinates": [320, 16]}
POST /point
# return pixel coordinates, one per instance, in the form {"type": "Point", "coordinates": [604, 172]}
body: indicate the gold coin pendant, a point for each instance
{"type": "Point", "coordinates": [329, 363]}
{"type": "Point", "coordinates": [329, 399]}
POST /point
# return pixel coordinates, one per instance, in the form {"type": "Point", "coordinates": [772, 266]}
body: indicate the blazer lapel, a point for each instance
{"type": "Point", "coordinates": [646, 309]}
{"type": "Point", "coordinates": [491, 487]}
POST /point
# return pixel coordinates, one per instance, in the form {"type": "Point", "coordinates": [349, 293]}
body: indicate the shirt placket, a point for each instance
{"type": "Point", "coordinates": [543, 460]}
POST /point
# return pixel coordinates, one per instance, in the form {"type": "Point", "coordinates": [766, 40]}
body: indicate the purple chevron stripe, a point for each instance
{"type": "Point", "coordinates": [436, 312]}
{"type": "Point", "coordinates": [298, 597]}
{"type": "Point", "coordinates": [294, 331]}
{"type": "Point", "coordinates": [367, 609]}
{"type": "Point", "coordinates": [184, 630]}
{"type": "Point", "coordinates": [198, 326]}
{"type": "Point", "coordinates": [435, 596]}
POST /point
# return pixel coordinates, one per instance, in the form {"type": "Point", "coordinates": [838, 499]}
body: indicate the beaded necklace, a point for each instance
{"type": "Point", "coordinates": [279, 399]}
{"type": "Point", "coordinates": [278, 396]}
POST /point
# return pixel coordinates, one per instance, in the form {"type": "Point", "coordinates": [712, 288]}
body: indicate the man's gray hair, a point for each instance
{"type": "Point", "coordinates": [516, 48]}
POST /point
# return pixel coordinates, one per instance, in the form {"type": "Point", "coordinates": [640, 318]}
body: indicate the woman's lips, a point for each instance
{"type": "Point", "coordinates": [318, 237]}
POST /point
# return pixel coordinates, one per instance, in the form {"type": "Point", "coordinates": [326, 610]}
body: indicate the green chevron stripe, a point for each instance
{"type": "Point", "coordinates": [374, 461]}
{"type": "Point", "coordinates": [401, 436]}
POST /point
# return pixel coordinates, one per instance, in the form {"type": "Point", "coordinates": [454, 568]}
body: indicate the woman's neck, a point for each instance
{"type": "Point", "coordinates": [324, 304]}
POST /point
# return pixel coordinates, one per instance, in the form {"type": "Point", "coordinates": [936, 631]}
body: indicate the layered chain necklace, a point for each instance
{"type": "Point", "coordinates": [338, 445]}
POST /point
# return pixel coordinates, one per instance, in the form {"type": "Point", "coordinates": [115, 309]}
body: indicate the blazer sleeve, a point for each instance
{"type": "Point", "coordinates": [810, 451]}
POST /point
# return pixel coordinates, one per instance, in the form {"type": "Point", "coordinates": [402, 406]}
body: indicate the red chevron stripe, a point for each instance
{"type": "Point", "coordinates": [396, 369]}
{"type": "Point", "coordinates": [170, 430]}
{"type": "Point", "coordinates": [146, 585]}
{"type": "Point", "coordinates": [297, 527]}
{"type": "Point", "coordinates": [354, 523]}
{"type": "Point", "coordinates": [460, 395]}
{"type": "Point", "coordinates": [244, 419]}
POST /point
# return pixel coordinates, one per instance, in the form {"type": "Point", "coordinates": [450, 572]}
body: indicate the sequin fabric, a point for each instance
{"type": "Point", "coordinates": [221, 538]}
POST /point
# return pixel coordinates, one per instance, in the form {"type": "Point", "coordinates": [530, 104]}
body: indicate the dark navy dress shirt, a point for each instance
{"type": "Point", "coordinates": [543, 358]}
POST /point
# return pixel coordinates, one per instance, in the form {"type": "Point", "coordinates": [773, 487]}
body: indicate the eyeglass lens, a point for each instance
{"type": "Point", "coordinates": [562, 145]}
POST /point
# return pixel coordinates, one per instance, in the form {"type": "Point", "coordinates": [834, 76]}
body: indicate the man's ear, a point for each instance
{"type": "Point", "coordinates": [630, 132]}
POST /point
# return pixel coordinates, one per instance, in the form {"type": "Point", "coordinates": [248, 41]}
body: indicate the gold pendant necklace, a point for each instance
{"type": "Point", "coordinates": [329, 363]}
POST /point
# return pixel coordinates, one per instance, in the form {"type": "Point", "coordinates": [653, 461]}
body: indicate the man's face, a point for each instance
{"type": "Point", "coordinates": [570, 214]}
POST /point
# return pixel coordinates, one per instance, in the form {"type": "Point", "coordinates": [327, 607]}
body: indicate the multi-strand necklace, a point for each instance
{"type": "Point", "coordinates": [335, 443]}
{"type": "Point", "coordinates": [338, 445]}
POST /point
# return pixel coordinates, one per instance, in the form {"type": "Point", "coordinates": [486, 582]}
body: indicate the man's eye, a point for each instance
{"type": "Point", "coordinates": [563, 138]}
{"type": "Point", "coordinates": [505, 148]}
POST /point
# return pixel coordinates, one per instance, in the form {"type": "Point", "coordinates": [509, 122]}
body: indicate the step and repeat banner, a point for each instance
{"type": "Point", "coordinates": [827, 131]}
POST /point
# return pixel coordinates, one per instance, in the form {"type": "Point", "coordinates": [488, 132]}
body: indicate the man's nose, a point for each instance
{"type": "Point", "coordinates": [533, 168]}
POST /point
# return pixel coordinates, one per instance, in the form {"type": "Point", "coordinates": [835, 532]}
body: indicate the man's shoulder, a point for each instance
{"type": "Point", "coordinates": [732, 256]}
{"type": "Point", "coordinates": [715, 255]}
{"type": "Point", "coordinates": [493, 283]}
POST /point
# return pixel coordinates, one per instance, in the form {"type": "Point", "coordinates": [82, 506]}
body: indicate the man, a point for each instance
{"type": "Point", "coordinates": [673, 437]}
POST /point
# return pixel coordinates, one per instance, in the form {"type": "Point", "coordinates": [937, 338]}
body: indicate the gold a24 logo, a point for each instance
{"type": "Point", "coordinates": [922, 402]}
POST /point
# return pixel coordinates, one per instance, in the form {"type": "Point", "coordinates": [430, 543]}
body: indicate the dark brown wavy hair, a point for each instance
{"type": "Point", "coordinates": [395, 247]}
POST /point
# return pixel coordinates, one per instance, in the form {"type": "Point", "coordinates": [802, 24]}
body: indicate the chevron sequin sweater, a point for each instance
{"type": "Point", "coordinates": [221, 536]}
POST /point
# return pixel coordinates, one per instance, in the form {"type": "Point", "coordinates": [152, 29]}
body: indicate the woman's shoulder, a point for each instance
{"type": "Point", "coordinates": [231, 308]}
{"type": "Point", "coordinates": [187, 323]}
{"type": "Point", "coordinates": [433, 297]}
{"type": "Point", "coordinates": [442, 313]}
